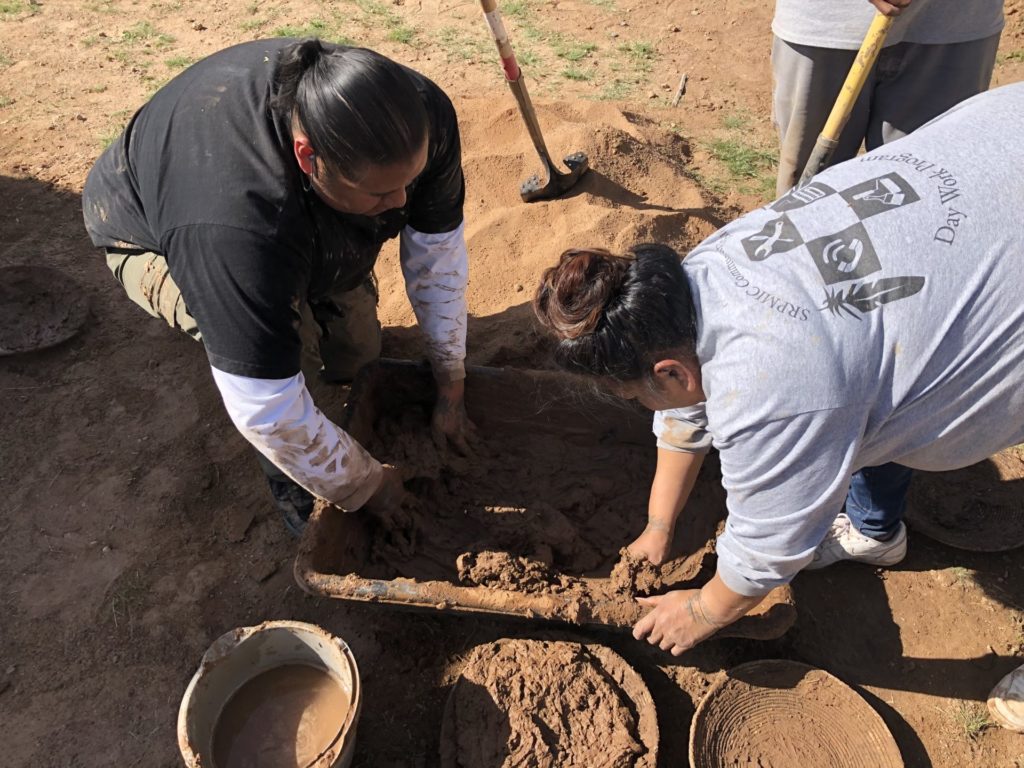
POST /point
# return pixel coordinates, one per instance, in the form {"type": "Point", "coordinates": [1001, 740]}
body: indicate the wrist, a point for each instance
{"type": "Point", "coordinates": [660, 525]}
{"type": "Point", "coordinates": [449, 376]}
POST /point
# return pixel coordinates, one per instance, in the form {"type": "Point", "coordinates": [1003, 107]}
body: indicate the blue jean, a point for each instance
{"type": "Point", "coordinates": [877, 498]}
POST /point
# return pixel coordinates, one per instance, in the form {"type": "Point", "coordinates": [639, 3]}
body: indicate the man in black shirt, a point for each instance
{"type": "Point", "coordinates": [247, 203]}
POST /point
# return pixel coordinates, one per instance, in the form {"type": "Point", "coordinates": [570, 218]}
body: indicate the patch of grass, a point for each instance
{"type": "Point", "coordinates": [315, 28]}
{"type": "Point", "coordinates": [5, 60]}
{"type": "Point", "coordinates": [575, 73]}
{"type": "Point", "coordinates": [641, 54]}
{"type": "Point", "coordinates": [970, 719]}
{"type": "Point", "coordinates": [127, 596]}
{"type": "Point", "coordinates": [528, 57]}
{"type": "Point", "coordinates": [402, 34]}
{"type": "Point", "coordinates": [741, 160]}
{"type": "Point", "coordinates": [962, 577]}
{"type": "Point", "coordinates": [5, 101]}
{"type": "Point", "coordinates": [517, 9]}
{"type": "Point", "coordinates": [737, 121]}
{"type": "Point", "coordinates": [572, 50]}
{"type": "Point", "coordinates": [179, 62]}
{"type": "Point", "coordinates": [96, 89]}
{"type": "Point", "coordinates": [146, 32]}
{"type": "Point", "coordinates": [251, 25]}
{"type": "Point", "coordinates": [606, 5]}
{"type": "Point", "coordinates": [16, 7]}
{"type": "Point", "coordinates": [1017, 55]}
{"type": "Point", "coordinates": [90, 41]}
{"type": "Point", "coordinates": [617, 90]}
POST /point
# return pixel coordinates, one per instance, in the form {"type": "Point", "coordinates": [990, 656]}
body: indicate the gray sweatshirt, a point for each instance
{"type": "Point", "coordinates": [842, 24]}
{"type": "Point", "coordinates": [873, 316]}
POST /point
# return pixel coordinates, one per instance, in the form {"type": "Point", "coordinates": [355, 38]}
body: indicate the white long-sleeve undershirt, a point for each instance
{"type": "Point", "coordinates": [436, 270]}
{"type": "Point", "coordinates": [279, 418]}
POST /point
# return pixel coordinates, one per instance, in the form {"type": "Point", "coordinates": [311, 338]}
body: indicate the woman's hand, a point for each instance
{"type": "Point", "coordinates": [677, 621]}
{"type": "Point", "coordinates": [450, 423]}
{"type": "Point", "coordinates": [681, 619]}
{"type": "Point", "coordinates": [654, 543]}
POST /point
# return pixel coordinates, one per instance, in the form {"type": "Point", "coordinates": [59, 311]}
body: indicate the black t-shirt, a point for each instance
{"type": "Point", "coordinates": [205, 175]}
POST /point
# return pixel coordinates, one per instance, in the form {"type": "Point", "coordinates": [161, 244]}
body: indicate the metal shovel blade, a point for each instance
{"type": "Point", "coordinates": [555, 182]}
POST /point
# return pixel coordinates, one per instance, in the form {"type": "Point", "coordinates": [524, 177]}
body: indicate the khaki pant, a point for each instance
{"type": "Point", "coordinates": [910, 85]}
{"type": "Point", "coordinates": [339, 336]}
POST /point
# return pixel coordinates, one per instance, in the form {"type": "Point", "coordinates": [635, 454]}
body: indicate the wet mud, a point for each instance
{"type": "Point", "coordinates": [282, 718]}
{"type": "Point", "coordinates": [548, 704]}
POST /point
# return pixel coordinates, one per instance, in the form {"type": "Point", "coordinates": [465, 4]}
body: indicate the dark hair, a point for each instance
{"type": "Point", "coordinates": [358, 108]}
{"type": "Point", "coordinates": [615, 316]}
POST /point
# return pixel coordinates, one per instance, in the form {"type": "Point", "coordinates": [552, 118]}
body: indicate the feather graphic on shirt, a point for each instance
{"type": "Point", "coordinates": [867, 297]}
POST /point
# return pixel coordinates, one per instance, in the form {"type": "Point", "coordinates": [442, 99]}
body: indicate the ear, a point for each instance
{"type": "Point", "coordinates": [677, 374]}
{"type": "Point", "coordinates": [304, 153]}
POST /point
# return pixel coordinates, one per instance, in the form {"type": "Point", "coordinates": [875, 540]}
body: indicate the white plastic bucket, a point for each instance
{"type": "Point", "coordinates": [238, 656]}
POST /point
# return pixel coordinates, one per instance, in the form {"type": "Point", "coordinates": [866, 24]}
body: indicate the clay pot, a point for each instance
{"type": "Point", "coordinates": [1006, 702]}
{"type": "Point", "coordinates": [238, 656]}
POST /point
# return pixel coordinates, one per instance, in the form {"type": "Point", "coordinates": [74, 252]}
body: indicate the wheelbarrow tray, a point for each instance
{"type": "Point", "coordinates": [335, 552]}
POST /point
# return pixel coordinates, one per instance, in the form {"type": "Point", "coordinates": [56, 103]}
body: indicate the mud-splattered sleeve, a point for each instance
{"type": "Point", "coordinates": [436, 268]}
{"type": "Point", "coordinates": [280, 420]}
{"type": "Point", "coordinates": [683, 429]}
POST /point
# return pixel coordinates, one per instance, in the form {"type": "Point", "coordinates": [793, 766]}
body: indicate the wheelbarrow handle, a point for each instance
{"type": "Point", "coordinates": [840, 114]}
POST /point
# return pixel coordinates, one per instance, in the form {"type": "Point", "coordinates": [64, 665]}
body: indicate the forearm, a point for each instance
{"type": "Point", "coordinates": [435, 267]}
{"type": "Point", "coordinates": [280, 420]}
{"type": "Point", "coordinates": [674, 479]}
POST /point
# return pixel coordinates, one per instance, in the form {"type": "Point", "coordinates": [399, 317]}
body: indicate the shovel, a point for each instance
{"type": "Point", "coordinates": [554, 182]}
{"type": "Point", "coordinates": [840, 114]}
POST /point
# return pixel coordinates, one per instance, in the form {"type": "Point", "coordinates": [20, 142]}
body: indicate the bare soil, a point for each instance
{"type": "Point", "coordinates": [135, 525]}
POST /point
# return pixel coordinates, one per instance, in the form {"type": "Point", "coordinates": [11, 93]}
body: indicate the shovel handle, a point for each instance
{"type": "Point", "coordinates": [840, 114]}
{"type": "Point", "coordinates": [508, 57]}
{"type": "Point", "coordinates": [514, 78]}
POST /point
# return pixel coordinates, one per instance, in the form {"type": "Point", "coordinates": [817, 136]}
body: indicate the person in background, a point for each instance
{"type": "Point", "coordinates": [937, 53]}
{"type": "Point", "coordinates": [246, 204]}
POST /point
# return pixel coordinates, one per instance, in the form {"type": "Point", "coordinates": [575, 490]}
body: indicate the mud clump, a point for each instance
{"type": "Point", "coordinates": [548, 704]}
{"type": "Point", "coordinates": [504, 571]}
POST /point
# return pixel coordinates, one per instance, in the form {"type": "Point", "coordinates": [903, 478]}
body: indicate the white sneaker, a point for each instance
{"type": "Point", "coordinates": [1006, 702]}
{"type": "Point", "coordinates": [844, 542]}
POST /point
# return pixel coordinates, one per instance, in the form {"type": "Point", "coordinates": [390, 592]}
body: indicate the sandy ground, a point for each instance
{"type": "Point", "coordinates": [135, 526]}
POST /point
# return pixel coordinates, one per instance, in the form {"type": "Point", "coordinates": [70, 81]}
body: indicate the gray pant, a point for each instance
{"type": "Point", "coordinates": [911, 84]}
{"type": "Point", "coordinates": [338, 338]}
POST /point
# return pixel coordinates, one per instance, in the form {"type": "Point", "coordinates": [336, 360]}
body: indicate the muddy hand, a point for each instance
{"type": "Point", "coordinates": [677, 621]}
{"type": "Point", "coordinates": [393, 506]}
{"type": "Point", "coordinates": [450, 424]}
{"type": "Point", "coordinates": [654, 543]}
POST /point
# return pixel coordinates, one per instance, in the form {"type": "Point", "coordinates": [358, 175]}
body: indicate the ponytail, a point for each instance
{"type": "Point", "coordinates": [358, 108]}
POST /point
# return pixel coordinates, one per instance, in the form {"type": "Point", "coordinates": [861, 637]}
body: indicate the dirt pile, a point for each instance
{"type": "Point", "coordinates": [547, 704]}
{"type": "Point", "coordinates": [638, 190]}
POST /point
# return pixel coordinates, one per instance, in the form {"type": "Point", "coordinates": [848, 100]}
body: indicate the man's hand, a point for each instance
{"type": "Point", "coordinates": [450, 423]}
{"type": "Point", "coordinates": [391, 505]}
{"type": "Point", "coordinates": [654, 543]}
{"type": "Point", "coordinates": [677, 621]}
{"type": "Point", "coordinates": [890, 7]}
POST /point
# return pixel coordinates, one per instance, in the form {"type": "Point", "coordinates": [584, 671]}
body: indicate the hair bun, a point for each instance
{"type": "Point", "coordinates": [574, 295]}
